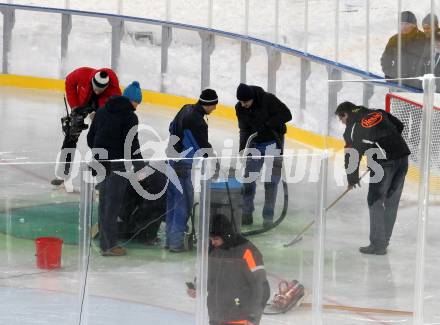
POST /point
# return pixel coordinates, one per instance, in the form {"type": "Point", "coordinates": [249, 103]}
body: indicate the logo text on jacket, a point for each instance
{"type": "Point", "coordinates": [371, 120]}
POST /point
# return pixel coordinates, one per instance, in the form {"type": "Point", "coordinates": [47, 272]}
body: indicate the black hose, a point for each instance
{"type": "Point", "coordinates": [285, 203]}
{"type": "Point", "coordinates": [280, 218]}
{"type": "Point", "coordinates": [232, 209]}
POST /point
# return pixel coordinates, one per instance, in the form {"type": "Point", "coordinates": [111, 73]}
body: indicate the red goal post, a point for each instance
{"type": "Point", "coordinates": [408, 107]}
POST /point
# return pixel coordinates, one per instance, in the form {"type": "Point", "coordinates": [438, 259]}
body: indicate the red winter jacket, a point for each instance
{"type": "Point", "coordinates": [79, 87]}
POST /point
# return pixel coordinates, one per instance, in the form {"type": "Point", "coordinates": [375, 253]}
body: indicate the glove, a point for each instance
{"type": "Point", "coordinates": [353, 179]}
{"type": "Point", "coordinates": [77, 119]}
{"type": "Point", "coordinates": [65, 125]}
{"type": "Point", "coordinates": [353, 183]}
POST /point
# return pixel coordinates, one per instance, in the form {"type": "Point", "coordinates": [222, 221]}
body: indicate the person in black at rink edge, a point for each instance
{"type": "Point", "coordinates": [109, 131]}
{"type": "Point", "coordinates": [376, 129]}
{"type": "Point", "coordinates": [262, 112]}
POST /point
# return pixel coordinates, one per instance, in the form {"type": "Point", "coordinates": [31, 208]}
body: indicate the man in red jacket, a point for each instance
{"type": "Point", "coordinates": [87, 89]}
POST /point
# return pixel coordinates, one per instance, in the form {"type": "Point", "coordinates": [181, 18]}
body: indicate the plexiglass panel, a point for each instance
{"type": "Point", "coordinates": [91, 38]}
{"type": "Point", "coordinates": [372, 274]}
{"type": "Point", "coordinates": [183, 75]}
{"type": "Point", "coordinates": [141, 43]}
{"type": "Point", "coordinates": [41, 38]}
{"type": "Point", "coordinates": [261, 257]}
{"type": "Point", "coordinates": [40, 252]}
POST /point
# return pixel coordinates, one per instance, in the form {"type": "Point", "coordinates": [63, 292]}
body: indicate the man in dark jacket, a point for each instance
{"type": "Point", "coordinates": [237, 284]}
{"type": "Point", "coordinates": [262, 112]}
{"type": "Point", "coordinates": [109, 131]}
{"type": "Point", "coordinates": [411, 50]}
{"type": "Point", "coordinates": [191, 129]}
{"type": "Point", "coordinates": [377, 135]}
{"type": "Point", "coordinates": [87, 89]}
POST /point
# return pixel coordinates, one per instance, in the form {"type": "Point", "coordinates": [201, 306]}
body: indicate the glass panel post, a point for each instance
{"type": "Point", "coordinates": [202, 246]}
{"type": "Point", "coordinates": [84, 240]}
{"type": "Point", "coordinates": [423, 202]}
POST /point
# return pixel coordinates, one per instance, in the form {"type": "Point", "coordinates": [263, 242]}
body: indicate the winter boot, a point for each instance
{"type": "Point", "coordinates": [247, 219]}
{"type": "Point", "coordinates": [57, 182]}
{"type": "Point", "coordinates": [115, 251]}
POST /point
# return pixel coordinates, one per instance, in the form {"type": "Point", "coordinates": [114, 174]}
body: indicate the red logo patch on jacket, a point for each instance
{"type": "Point", "coordinates": [371, 120]}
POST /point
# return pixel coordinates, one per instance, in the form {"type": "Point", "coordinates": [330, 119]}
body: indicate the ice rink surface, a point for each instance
{"type": "Point", "coordinates": [148, 285]}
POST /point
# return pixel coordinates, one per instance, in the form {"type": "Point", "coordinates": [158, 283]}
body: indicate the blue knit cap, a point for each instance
{"type": "Point", "coordinates": [133, 92]}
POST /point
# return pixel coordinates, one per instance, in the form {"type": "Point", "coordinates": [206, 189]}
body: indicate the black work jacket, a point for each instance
{"type": "Point", "coordinates": [267, 113]}
{"type": "Point", "coordinates": [110, 128]}
{"type": "Point", "coordinates": [190, 118]}
{"type": "Point", "coordinates": [374, 129]}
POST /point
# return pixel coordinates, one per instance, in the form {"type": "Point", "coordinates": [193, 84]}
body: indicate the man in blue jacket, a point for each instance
{"type": "Point", "coordinates": [108, 131]}
{"type": "Point", "coordinates": [190, 127]}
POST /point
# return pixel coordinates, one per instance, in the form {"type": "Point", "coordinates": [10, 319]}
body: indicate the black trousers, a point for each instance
{"type": "Point", "coordinates": [383, 201]}
{"type": "Point", "coordinates": [111, 196]}
{"type": "Point", "coordinates": [68, 143]}
{"type": "Point", "coordinates": [72, 135]}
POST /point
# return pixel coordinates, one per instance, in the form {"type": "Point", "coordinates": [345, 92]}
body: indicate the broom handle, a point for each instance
{"type": "Point", "coordinates": [337, 199]}
{"type": "Point", "coordinates": [345, 192]}
{"type": "Point", "coordinates": [330, 206]}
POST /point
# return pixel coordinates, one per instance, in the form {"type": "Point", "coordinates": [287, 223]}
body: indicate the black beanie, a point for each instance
{"type": "Point", "coordinates": [346, 107]}
{"type": "Point", "coordinates": [244, 93]}
{"type": "Point", "coordinates": [222, 227]}
{"type": "Point", "coordinates": [408, 17]}
{"type": "Point", "coordinates": [208, 97]}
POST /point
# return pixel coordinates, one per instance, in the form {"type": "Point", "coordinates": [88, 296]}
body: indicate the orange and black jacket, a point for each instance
{"type": "Point", "coordinates": [374, 129]}
{"type": "Point", "coordinates": [237, 285]}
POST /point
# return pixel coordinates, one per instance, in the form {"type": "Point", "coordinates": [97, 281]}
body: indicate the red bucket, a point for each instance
{"type": "Point", "coordinates": [48, 252]}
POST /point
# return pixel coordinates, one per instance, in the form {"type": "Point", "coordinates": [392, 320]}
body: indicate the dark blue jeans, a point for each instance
{"type": "Point", "coordinates": [111, 196]}
{"type": "Point", "coordinates": [383, 201]}
{"type": "Point", "coordinates": [179, 206]}
{"type": "Point", "coordinates": [270, 187]}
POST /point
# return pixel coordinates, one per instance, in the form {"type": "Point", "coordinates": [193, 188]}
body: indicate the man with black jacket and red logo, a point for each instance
{"type": "Point", "coordinates": [191, 130]}
{"type": "Point", "coordinates": [237, 284]}
{"type": "Point", "coordinates": [262, 112]}
{"type": "Point", "coordinates": [377, 135]}
{"type": "Point", "coordinates": [87, 89]}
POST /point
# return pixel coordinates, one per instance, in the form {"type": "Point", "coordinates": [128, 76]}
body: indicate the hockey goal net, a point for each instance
{"type": "Point", "coordinates": [407, 107]}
